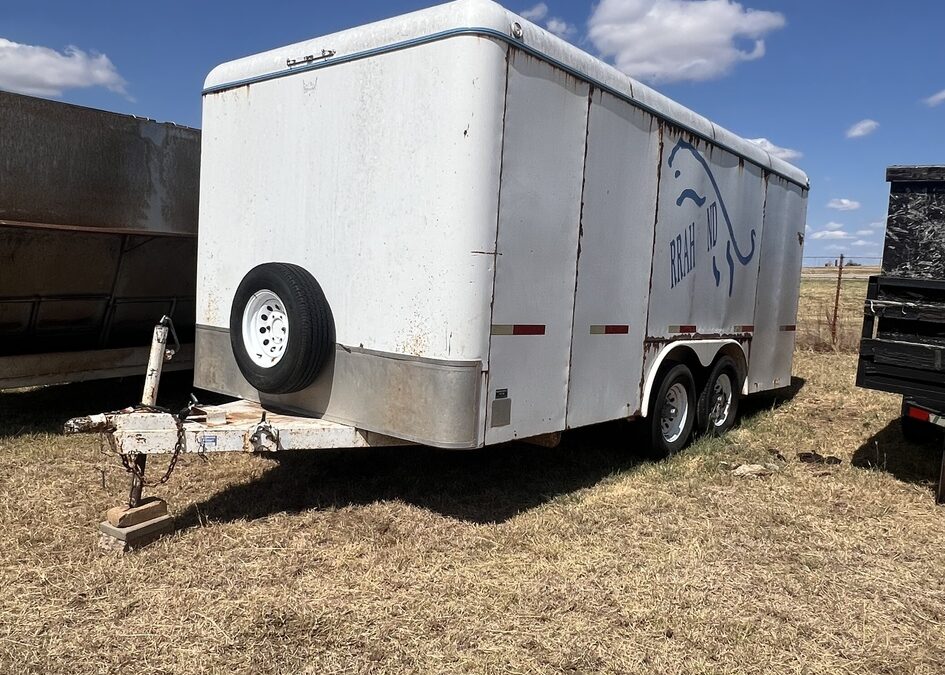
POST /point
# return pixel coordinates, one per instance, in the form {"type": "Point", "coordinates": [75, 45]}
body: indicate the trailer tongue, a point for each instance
{"type": "Point", "coordinates": [238, 426]}
{"type": "Point", "coordinates": [135, 432]}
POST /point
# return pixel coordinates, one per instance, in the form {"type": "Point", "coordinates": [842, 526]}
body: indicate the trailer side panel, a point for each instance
{"type": "Point", "coordinates": [779, 276]}
{"type": "Point", "coordinates": [613, 283]}
{"type": "Point", "coordinates": [539, 212]}
{"type": "Point", "coordinates": [708, 241]}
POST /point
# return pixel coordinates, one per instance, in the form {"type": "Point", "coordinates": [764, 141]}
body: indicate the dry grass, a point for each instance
{"type": "Point", "coordinates": [815, 310]}
{"type": "Point", "coordinates": [580, 559]}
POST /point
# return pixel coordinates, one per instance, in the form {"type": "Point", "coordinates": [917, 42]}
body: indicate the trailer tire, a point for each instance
{"type": "Point", "coordinates": [281, 328]}
{"type": "Point", "coordinates": [717, 407]}
{"type": "Point", "coordinates": [915, 430]}
{"type": "Point", "coordinates": [672, 411]}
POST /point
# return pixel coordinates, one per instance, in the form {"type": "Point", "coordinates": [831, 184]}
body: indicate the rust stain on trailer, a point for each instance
{"type": "Point", "coordinates": [563, 77]}
{"type": "Point", "coordinates": [661, 341]}
{"type": "Point", "coordinates": [661, 129]}
{"type": "Point", "coordinates": [417, 340]}
{"type": "Point", "coordinates": [245, 417]}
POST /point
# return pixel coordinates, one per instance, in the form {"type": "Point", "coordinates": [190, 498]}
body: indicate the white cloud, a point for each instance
{"type": "Point", "coordinates": [555, 25]}
{"type": "Point", "coordinates": [864, 233]}
{"type": "Point", "coordinates": [935, 99]}
{"type": "Point", "coordinates": [842, 204]}
{"type": "Point", "coordinates": [41, 71]}
{"type": "Point", "coordinates": [862, 128]}
{"type": "Point", "coordinates": [862, 242]}
{"type": "Point", "coordinates": [674, 40]}
{"type": "Point", "coordinates": [833, 226]}
{"type": "Point", "coordinates": [536, 13]}
{"type": "Point", "coordinates": [787, 154]}
{"type": "Point", "coordinates": [830, 234]}
{"type": "Point", "coordinates": [878, 224]}
{"type": "Point", "coordinates": [560, 27]}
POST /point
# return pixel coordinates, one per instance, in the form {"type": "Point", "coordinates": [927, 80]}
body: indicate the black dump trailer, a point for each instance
{"type": "Point", "coordinates": [903, 345]}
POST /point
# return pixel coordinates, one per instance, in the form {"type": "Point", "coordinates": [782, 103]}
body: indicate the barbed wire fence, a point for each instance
{"type": "Point", "coordinates": [833, 289]}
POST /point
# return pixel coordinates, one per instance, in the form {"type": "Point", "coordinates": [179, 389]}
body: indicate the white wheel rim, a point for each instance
{"type": "Point", "coordinates": [265, 328]}
{"type": "Point", "coordinates": [721, 400]}
{"type": "Point", "coordinates": [675, 412]}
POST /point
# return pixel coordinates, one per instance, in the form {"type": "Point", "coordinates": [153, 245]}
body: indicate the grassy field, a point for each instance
{"type": "Point", "coordinates": [815, 309]}
{"type": "Point", "coordinates": [585, 558]}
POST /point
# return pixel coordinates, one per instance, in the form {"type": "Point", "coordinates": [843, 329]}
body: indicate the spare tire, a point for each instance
{"type": "Point", "coordinates": [281, 328]}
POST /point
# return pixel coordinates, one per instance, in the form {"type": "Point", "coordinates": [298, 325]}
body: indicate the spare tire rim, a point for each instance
{"type": "Point", "coordinates": [675, 412]}
{"type": "Point", "coordinates": [721, 400]}
{"type": "Point", "coordinates": [265, 328]}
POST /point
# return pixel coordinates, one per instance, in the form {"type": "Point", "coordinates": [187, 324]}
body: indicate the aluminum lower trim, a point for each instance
{"type": "Point", "coordinates": [429, 401]}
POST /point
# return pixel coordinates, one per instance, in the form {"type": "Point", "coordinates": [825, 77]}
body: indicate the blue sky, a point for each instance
{"type": "Point", "coordinates": [798, 73]}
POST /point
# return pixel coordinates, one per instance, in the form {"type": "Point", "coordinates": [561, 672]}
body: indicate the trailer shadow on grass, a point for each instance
{"type": "Point", "coordinates": [490, 485]}
{"type": "Point", "coordinates": [912, 462]}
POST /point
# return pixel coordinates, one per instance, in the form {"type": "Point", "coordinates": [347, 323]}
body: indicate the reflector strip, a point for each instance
{"type": "Point", "coordinates": [918, 414]}
{"type": "Point", "coordinates": [744, 329]}
{"type": "Point", "coordinates": [682, 329]}
{"type": "Point", "coordinates": [789, 328]}
{"type": "Point", "coordinates": [518, 329]}
{"type": "Point", "coordinates": [610, 329]}
{"type": "Point", "coordinates": [925, 416]}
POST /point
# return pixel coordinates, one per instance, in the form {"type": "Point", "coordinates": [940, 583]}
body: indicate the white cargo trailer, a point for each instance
{"type": "Point", "coordinates": [454, 228]}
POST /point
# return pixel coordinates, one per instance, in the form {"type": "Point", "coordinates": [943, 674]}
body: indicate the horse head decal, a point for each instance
{"type": "Point", "coordinates": [685, 172]}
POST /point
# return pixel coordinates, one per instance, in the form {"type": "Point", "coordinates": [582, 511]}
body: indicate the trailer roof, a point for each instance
{"type": "Point", "coordinates": [488, 19]}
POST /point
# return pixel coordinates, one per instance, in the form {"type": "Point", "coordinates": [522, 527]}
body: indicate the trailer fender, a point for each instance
{"type": "Point", "coordinates": [705, 351]}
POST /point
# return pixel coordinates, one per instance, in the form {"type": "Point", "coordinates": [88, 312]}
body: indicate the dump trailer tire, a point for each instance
{"type": "Point", "coordinates": [672, 411]}
{"type": "Point", "coordinates": [717, 407]}
{"type": "Point", "coordinates": [281, 328]}
{"type": "Point", "coordinates": [915, 430]}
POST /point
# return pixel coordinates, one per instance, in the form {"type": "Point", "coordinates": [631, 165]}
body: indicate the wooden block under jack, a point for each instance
{"type": "Point", "coordinates": [126, 516]}
{"type": "Point", "coordinates": [136, 536]}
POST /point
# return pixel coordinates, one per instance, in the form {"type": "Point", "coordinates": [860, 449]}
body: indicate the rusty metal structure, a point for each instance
{"type": "Point", "coordinates": [98, 225]}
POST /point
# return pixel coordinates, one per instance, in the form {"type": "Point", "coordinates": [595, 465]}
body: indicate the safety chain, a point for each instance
{"type": "Point", "coordinates": [128, 461]}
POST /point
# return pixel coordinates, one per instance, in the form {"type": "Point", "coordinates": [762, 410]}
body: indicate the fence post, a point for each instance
{"type": "Point", "coordinates": [836, 304]}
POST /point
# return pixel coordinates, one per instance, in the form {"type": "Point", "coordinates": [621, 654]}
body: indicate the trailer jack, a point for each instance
{"type": "Point", "coordinates": [142, 520]}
